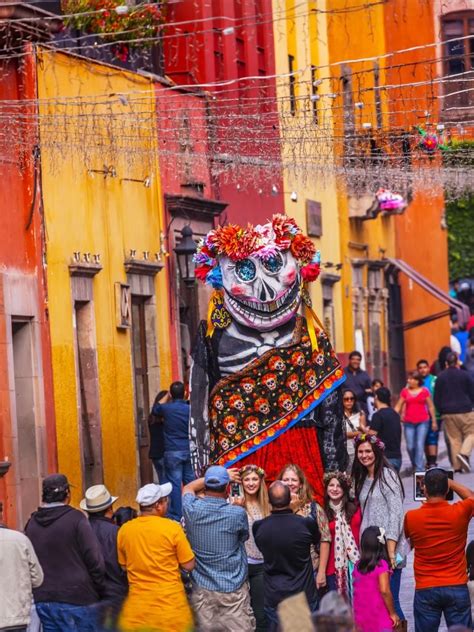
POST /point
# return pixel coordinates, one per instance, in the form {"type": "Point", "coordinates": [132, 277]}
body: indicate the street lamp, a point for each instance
{"type": "Point", "coordinates": [4, 467]}
{"type": "Point", "coordinates": [185, 251]}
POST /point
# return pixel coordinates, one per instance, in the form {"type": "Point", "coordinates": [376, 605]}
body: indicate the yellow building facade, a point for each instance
{"type": "Point", "coordinates": [360, 112]}
{"type": "Point", "coordinates": [306, 130]}
{"type": "Point", "coordinates": [107, 283]}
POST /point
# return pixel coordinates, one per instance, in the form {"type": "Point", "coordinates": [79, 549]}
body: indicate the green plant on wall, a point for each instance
{"type": "Point", "coordinates": [460, 221]}
{"type": "Point", "coordinates": [460, 214]}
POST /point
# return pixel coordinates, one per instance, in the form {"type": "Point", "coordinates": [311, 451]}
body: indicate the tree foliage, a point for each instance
{"type": "Point", "coordinates": [460, 221]}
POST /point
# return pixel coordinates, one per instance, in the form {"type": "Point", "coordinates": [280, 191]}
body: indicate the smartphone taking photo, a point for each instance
{"type": "Point", "coordinates": [236, 490]}
{"type": "Point", "coordinates": [419, 485]}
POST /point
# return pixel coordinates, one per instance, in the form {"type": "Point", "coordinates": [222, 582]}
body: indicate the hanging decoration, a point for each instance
{"type": "Point", "coordinates": [429, 142]}
{"type": "Point", "coordinates": [389, 201]}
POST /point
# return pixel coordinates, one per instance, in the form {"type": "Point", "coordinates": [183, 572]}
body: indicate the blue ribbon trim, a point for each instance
{"type": "Point", "coordinates": [290, 425]}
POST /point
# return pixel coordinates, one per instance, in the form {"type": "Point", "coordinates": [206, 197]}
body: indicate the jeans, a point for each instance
{"type": "Point", "coordinates": [159, 465]}
{"type": "Point", "coordinates": [395, 463]}
{"type": "Point", "coordinates": [452, 601]}
{"type": "Point", "coordinates": [415, 436]}
{"type": "Point", "coordinates": [178, 470]}
{"type": "Point", "coordinates": [395, 581]}
{"type": "Point", "coordinates": [256, 595]}
{"type": "Point", "coordinates": [65, 617]}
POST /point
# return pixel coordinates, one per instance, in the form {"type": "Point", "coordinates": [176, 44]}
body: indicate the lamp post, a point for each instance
{"type": "Point", "coordinates": [4, 467]}
{"type": "Point", "coordinates": [185, 250]}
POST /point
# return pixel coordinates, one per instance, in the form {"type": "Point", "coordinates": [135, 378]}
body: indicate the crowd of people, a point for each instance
{"type": "Point", "coordinates": [435, 396]}
{"type": "Point", "coordinates": [225, 551]}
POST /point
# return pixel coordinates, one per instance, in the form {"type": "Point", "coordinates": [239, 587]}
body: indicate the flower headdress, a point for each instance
{"type": "Point", "coordinates": [370, 438]}
{"type": "Point", "coordinates": [252, 468]}
{"type": "Point", "coordinates": [343, 477]}
{"type": "Point", "coordinates": [262, 241]}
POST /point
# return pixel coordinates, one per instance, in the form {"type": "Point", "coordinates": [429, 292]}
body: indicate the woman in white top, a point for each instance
{"type": "Point", "coordinates": [355, 423]}
{"type": "Point", "coordinates": [255, 502]}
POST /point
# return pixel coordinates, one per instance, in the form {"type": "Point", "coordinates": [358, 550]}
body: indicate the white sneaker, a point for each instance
{"type": "Point", "coordinates": [464, 460]}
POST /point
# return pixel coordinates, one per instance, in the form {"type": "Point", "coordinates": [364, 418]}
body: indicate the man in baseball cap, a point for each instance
{"type": "Point", "coordinates": [215, 477]}
{"type": "Point", "coordinates": [152, 549]}
{"type": "Point", "coordinates": [70, 555]}
{"type": "Point", "coordinates": [217, 531]}
{"type": "Point", "coordinates": [98, 504]}
{"type": "Point", "coordinates": [150, 494]}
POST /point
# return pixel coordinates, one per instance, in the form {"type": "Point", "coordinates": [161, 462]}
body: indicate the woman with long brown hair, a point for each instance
{"type": "Point", "coordinates": [255, 502]}
{"type": "Point", "coordinates": [303, 503]}
{"type": "Point", "coordinates": [345, 518]}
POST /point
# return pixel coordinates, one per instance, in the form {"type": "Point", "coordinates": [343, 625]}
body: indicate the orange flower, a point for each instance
{"type": "Point", "coordinates": [303, 249]}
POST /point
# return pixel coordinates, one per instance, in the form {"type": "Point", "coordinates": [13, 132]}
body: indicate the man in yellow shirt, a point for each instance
{"type": "Point", "coordinates": [153, 549]}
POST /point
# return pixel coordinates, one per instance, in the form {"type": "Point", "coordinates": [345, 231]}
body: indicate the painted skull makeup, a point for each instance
{"type": "Point", "coordinates": [261, 293]}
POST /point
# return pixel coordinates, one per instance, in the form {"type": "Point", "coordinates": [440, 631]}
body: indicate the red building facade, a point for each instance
{"type": "Point", "coordinates": [226, 46]}
{"type": "Point", "coordinates": [188, 200]}
{"type": "Point", "coordinates": [27, 425]}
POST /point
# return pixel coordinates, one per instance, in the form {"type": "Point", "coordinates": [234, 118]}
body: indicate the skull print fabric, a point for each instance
{"type": "Point", "coordinates": [274, 392]}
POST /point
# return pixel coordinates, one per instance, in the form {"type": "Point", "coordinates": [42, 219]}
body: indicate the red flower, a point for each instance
{"type": "Point", "coordinates": [310, 272]}
{"type": "Point", "coordinates": [201, 272]}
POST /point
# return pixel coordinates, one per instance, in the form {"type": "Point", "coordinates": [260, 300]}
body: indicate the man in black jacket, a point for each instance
{"type": "Point", "coordinates": [357, 380]}
{"type": "Point", "coordinates": [73, 565]}
{"type": "Point", "coordinates": [454, 399]}
{"type": "Point", "coordinates": [98, 504]}
{"type": "Point", "coordinates": [285, 540]}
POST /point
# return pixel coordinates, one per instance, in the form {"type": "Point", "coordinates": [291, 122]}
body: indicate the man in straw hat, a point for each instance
{"type": "Point", "coordinates": [98, 504]}
{"type": "Point", "coordinates": [153, 549]}
{"type": "Point", "coordinates": [72, 561]}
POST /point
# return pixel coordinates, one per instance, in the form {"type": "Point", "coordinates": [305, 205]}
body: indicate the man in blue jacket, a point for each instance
{"type": "Point", "coordinates": [177, 458]}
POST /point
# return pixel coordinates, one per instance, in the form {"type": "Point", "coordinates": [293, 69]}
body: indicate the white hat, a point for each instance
{"type": "Point", "coordinates": [97, 498]}
{"type": "Point", "coordinates": [151, 493]}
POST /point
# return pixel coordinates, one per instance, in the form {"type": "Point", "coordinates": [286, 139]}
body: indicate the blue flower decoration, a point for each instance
{"type": "Point", "coordinates": [214, 278]}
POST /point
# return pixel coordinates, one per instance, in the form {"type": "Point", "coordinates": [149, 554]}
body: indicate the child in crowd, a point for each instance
{"type": "Point", "coordinates": [371, 579]}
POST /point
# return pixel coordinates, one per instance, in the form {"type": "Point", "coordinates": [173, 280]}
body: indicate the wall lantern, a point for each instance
{"type": "Point", "coordinates": [185, 250]}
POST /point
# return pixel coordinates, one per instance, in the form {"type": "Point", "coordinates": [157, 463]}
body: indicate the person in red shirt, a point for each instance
{"type": "Point", "coordinates": [437, 531]}
{"type": "Point", "coordinates": [344, 518]}
{"type": "Point", "coordinates": [416, 409]}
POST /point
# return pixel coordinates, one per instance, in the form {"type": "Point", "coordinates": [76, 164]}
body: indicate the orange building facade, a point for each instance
{"type": "Point", "coordinates": [383, 73]}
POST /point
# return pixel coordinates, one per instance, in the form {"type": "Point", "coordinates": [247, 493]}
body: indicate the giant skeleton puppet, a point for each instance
{"type": "Point", "coordinates": [265, 381]}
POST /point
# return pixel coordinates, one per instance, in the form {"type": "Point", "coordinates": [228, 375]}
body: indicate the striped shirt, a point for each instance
{"type": "Point", "coordinates": [217, 532]}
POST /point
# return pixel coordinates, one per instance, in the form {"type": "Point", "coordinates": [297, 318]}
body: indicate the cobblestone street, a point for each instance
{"type": "Point", "coordinates": [408, 580]}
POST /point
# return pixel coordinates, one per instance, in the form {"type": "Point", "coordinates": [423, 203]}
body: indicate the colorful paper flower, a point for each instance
{"type": "Point", "coordinates": [262, 241]}
{"type": "Point", "coordinates": [302, 248]}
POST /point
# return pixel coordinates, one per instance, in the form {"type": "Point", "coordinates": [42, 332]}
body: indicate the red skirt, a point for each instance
{"type": "Point", "coordinates": [297, 445]}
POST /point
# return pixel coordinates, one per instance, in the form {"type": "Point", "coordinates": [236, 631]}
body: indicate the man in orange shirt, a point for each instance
{"type": "Point", "coordinates": [153, 549]}
{"type": "Point", "coordinates": [437, 532]}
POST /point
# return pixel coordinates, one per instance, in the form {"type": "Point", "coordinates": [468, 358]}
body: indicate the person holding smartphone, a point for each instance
{"type": "Point", "coordinates": [437, 532]}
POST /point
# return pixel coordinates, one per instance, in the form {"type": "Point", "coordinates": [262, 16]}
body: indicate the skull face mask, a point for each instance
{"type": "Point", "coordinates": [261, 293]}
{"type": "Point", "coordinates": [256, 271]}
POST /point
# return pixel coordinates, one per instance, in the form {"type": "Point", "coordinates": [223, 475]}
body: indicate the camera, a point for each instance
{"type": "Point", "coordinates": [419, 486]}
